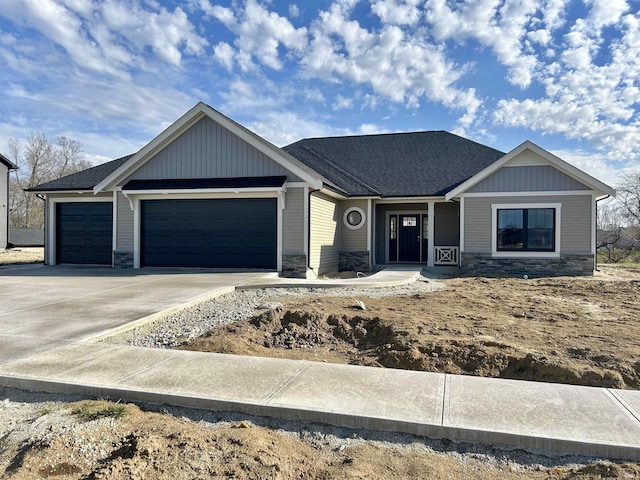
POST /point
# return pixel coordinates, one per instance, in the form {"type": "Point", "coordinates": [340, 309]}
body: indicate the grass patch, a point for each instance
{"type": "Point", "coordinates": [88, 411]}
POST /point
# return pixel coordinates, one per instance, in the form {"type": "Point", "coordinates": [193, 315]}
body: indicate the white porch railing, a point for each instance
{"type": "Point", "coordinates": [446, 255]}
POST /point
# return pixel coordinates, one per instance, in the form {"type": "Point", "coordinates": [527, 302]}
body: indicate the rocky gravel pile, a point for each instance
{"type": "Point", "coordinates": [192, 322]}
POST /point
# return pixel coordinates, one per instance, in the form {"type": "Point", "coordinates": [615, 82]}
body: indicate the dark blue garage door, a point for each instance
{"type": "Point", "coordinates": [227, 233]}
{"type": "Point", "coordinates": [84, 232]}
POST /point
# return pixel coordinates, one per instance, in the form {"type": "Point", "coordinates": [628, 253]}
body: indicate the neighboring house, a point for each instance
{"type": "Point", "coordinates": [5, 167]}
{"type": "Point", "coordinates": [26, 237]}
{"type": "Point", "coordinates": [207, 192]}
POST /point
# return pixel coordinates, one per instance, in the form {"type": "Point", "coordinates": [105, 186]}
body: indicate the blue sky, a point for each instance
{"type": "Point", "coordinates": [113, 73]}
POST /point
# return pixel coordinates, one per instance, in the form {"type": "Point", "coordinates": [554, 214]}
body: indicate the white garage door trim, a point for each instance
{"type": "Point", "coordinates": [52, 220]}
{"type": "Point", "coordinates": [135, 200]}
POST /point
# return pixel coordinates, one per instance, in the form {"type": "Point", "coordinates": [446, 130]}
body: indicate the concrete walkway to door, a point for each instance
{"type": "Point", "coordinates": [42, 307]}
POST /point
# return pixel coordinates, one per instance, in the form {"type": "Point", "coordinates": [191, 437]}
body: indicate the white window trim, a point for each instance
{"type": "Point", "coordinates": [53, 220]}
{"type": "Point", "coordinates": [363, 218]}
{"type": "Point", "coordinates": [525, 254]}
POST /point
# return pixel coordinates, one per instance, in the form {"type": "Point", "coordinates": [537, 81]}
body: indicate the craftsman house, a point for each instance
{"type": "Point", "coordinates": [207, 192]}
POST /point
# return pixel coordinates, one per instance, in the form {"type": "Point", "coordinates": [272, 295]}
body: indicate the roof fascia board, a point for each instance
{"type": "Point", "coordinates": [181, 191]}
{"type": "Point", "coordinates": [10, 165]}
{"type": "Point", "coordinates": [439, 198]}
{"type": "Point", "coordinates": [563, 166]}
{"type": "Point", "coordinates": [187, 120]}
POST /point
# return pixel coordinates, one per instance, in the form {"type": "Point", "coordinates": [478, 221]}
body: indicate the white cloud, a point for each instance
{"type": "Point", "coordinates": [400, 66]}
{"type": "Point", "coordinates": [223, 53]}
{"type": "Point", "coordinates": [109, 37]}
{"type": "Point", "coordinates": [397, 12]}
{"type": "Point", "coordinates": [342, 103]}
{"type": "Point", "coordinates": [259, 33]}
{"type": "Point", "coordinates": [587, 99]}
{"type": "Point", "coordinates": [294, 10]}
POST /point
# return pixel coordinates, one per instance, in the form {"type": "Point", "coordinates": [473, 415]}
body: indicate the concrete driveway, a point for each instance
{"type": "Point", "coordinates": [43, 307]}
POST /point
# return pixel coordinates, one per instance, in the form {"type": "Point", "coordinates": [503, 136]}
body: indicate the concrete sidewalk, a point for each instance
{"type": "Point", "coordinates": [536, 416]}
{"type": "Point", "coordinates": [389, 277]}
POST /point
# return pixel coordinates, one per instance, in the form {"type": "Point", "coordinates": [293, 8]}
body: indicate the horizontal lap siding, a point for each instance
{"type": "Point", "coordinates": [354, 240]}
{"type": "Point", "coordinates": [293, 222]}
{"type": "Point", "coordinates": [576, 220]}
{"type": "Point", "coordinates": [124, 237]}
{"type": "Point", "coordinates": [207, 150]}
{"type": "Point", "coordinates": [325, 234]}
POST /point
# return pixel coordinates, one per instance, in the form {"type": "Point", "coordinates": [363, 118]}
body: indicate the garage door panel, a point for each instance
{"type": "Point", "coordinates": [84, 232]}
{"type": "Point", "coordinates": [224, 233]}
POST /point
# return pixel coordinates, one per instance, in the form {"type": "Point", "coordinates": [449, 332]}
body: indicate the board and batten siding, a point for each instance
{"type": "Point", "coordinates": [575, 221]}
{"type": "Point", "coordinates": [325, 234]}
{"type": "Point", "coordinates": [293, 222]}
{"type": "Point", "coordinates": [208, 150]}
{"type": "Point", "coordinates": [354, 240]}
{"type": "Point", "coordinates": [446, 224]}
{"type": "Point", "coordinates": [535, 178]}
{"type": "Point", "coordinates": [124, 234]}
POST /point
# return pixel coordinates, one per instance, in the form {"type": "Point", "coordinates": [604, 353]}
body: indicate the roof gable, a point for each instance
{"type": "Point", "coordinates": [521, 156]}
{"type": "Point", "coordinates": [208, 150]}
{"type": "Point", "coordinates": [188, 120]}
{"type": "Point", "coordinates": [395, 165]}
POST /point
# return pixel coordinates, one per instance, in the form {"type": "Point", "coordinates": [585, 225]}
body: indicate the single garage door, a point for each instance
{"type": "Point", "coordinates": [225, 233]}
{"type": "Point", "coordinates": [84, 232]}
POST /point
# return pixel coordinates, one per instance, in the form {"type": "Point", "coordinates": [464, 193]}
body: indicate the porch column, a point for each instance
{"type": "Point", "coordinates": [430, 226]}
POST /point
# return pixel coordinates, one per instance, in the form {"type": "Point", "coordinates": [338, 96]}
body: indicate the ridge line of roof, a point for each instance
{"type": "Point", "coordinates": [342, 170]}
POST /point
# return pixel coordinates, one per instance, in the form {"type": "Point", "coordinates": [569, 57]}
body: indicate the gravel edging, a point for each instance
{"type": "Point", "coordinates": [191, 322]}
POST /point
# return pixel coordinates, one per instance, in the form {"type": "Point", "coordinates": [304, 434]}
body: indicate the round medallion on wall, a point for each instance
{"type": "Point", "coordinates": [354, 218]}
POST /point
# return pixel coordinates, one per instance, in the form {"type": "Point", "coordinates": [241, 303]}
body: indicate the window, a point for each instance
{"type": "Point", "coordinates": [393, 232]}
{"type": "Point", "coordinates": [409, 221]}
{"type": "Point", "coordinates": [354, 218]}
{"type": "Point", "coordinates": [526, 229]}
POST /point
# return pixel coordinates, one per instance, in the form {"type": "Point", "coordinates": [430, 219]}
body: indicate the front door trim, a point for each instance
{"type": "Point", "coordinates": [387, 232]}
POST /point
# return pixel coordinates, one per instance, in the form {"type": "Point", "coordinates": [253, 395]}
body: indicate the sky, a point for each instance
{"type": "Point", "coordinates": [113, 74]}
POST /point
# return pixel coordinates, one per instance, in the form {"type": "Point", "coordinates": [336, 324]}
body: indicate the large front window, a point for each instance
{"type": "Point", "coordinates": [526, 229]}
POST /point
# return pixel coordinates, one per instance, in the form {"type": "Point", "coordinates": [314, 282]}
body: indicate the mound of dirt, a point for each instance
{"type": "Point", "coordinates": [140, 444]}
{"type": "Point", "coordinates": [573, 331]}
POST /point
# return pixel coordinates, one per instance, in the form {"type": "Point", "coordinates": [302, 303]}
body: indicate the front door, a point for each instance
{"type": "Point", "coordinates": [409, 238]}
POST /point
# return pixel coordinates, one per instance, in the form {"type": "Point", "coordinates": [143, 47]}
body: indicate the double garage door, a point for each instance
{"type": "Point", "coordinates": [221, 233]}
{"type": "Point", "coordinates": [226, 233]}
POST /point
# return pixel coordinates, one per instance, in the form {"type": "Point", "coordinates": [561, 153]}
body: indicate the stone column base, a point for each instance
{"type": "Point", "coordinates": [354, 261]}
{"type": "Point", "coordinates": [122, 259]}
{"type": "Point", "coordinates": [294, 265]}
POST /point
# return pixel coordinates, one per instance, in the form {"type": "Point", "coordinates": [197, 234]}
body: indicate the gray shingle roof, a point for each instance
{"type": "Point", "coordinates": [389, 165]}
{"type": "Point", "coordinates": [83, 180]}
{"type": "Point", "coordinates": [397, 164]}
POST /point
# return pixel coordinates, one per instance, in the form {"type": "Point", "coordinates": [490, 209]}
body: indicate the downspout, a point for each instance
{"type": "Point", "coordinates": [8, 212]}
{"type": "Point", "coordinates": [595, 253]}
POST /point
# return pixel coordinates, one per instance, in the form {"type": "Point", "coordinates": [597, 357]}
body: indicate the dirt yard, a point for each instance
{"type": "Point", "coordinates": [103, 440]}
{"type": "Point", "coordinates": [583, 331]}
{"type": "Point", "coordinates": [573, 330]}
{"type": "Point", "coordinates": [14, 256]}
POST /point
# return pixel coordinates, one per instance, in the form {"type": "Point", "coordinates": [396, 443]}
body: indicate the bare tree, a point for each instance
{"type": "Point", "coordinates": [612, 233]}
{"type": "Point", "coordinates": [628, 194]}
{"type": "Point", "coordinates": [39, 160]}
